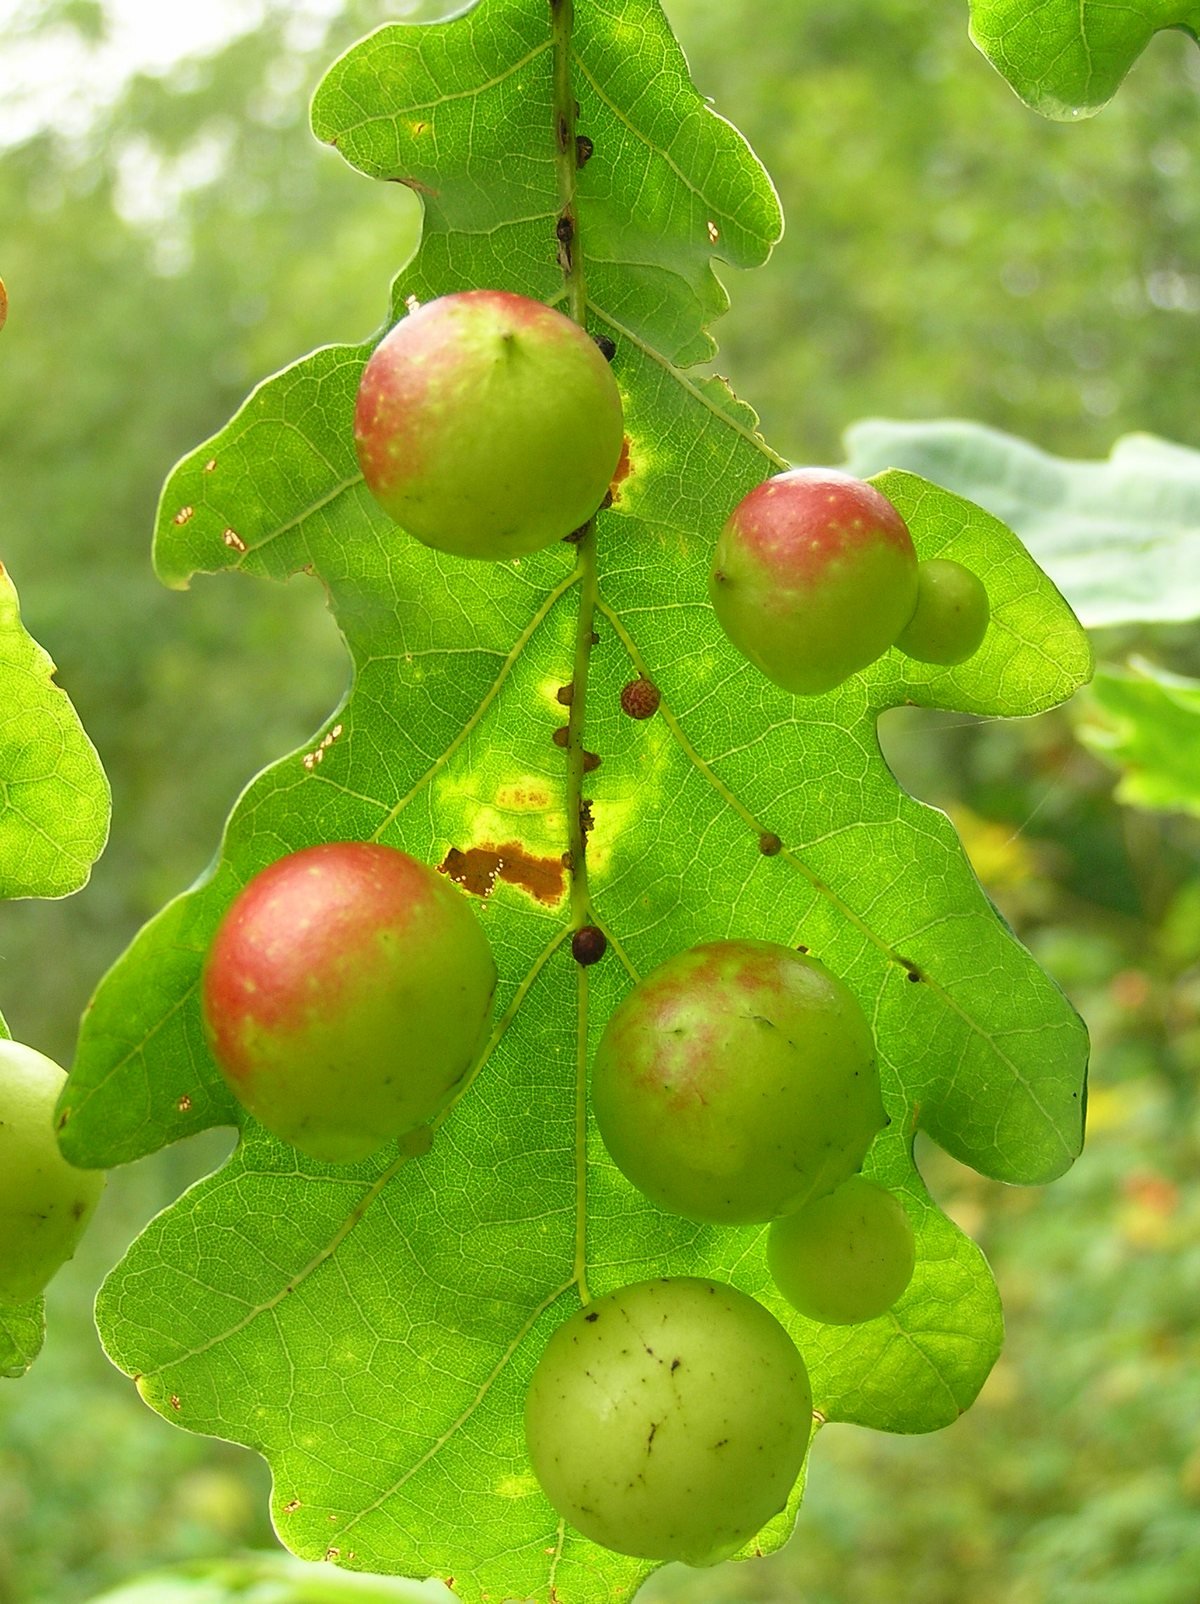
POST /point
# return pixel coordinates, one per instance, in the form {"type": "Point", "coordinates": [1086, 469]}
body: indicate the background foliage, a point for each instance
{"type": "Point", "coordinates": [947, 253]}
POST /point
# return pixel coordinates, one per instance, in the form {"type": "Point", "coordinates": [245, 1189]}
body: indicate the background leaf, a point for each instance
{"type": "Point", "coordinates": [54, 812]}
{"type": "Point", "coordinates": [22, 1330]}
{"type": "Point", "coordinates": [1147, 722]}
{"type": "Point", "coordinates": [1121, 539]}
{"type": "Point", "coordinates": [268, 1579]}
{"type": "Point", "coordinates": [1066, 58]}
{"type": "Point", "coordinates": [370, 1329]}
{"type": "Point", "coordinates": [53, 825]}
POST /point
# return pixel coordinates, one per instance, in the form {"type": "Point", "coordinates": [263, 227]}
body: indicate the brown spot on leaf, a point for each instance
{"type": "Point", "coordinates": [526, 798]}
{"type": "Point", "coordinates": [561, 735]}
{"type": "Point", "coordinates": [175, 1402]}
{"type": "Point", "coordinates": [233, 540]}
{"type": "Point", "coordinates": [3, 304]}
{"type": "Point", "coordinates": [291, 1507]}
{"type": "Point", "coordinates": [565, 694]}
{"type": "Point", "coordinates": [588, 946]}
{"type": "Point", "coordinates": [769, 844]}
{"type": "Point", "coordinates": [640, 698]}
{"type": "Point", "coordinates": [591, 762]}
{"type": "Point", "coordinates": [417, 185]}
{"type": "Point", "coordinates": [478, 869]}
{"type": "Point", "coordinates": [184, 1104]}
{"type": "Point", "coordinates": [184, 516]}
{"type": "Point", "coordinates": [621, 472]}
{"type": "Point", "coordinates": [583, 150]}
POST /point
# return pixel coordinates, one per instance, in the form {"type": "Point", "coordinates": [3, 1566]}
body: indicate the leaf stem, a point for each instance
{"type": "Point", "coordinates": [570, 256]}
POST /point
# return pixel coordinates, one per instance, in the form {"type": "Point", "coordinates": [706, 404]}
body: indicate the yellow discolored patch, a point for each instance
{"type": "Point", "coordinates": [516, 1486]}
{"type": "Point", "coordinates": [524, 797]}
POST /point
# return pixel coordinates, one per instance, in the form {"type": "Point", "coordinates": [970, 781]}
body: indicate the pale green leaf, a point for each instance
{"type": "Point", "coordinates": [1120, 539]}
{"type": "Point", "coordinates": [268, 1579]}
{"type": "Point", "coordinates": [22, 1330]}
{"type": "Point", "coordinates": [1146, 722]}
{"type": "Point", "coordinates": [53, 792]}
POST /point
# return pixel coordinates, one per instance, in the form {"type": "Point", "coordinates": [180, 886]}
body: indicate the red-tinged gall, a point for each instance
{"type": "Point", "coordinates": [488, 425]}
{"type": "Point", "coordinates": [736, 1081]}
{"type": "Point", "coordinates": [347, 992]}
{"type": "Point", "coordinates": [813, 577]}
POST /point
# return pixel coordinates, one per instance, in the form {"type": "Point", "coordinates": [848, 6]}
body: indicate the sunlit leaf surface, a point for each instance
{"type": "Point", "coordinates": [53, 825]}
{"type": "Point", "coordinates": [371, 1329]}
{"type": "Point", "coordinates": [54, 801]}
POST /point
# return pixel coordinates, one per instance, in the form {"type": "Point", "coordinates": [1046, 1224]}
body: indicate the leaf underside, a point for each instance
{"type": "Point", "coordinates": [1067, 58]}
{"type": "Point", "coordinates": [1147, 722]}
{"type": "Point", "coordinates": [22, 1330]}
{"type": "Point", "coordinates": [371, 1329]}
{"type": "Point", "coordinates": [1121, 538]}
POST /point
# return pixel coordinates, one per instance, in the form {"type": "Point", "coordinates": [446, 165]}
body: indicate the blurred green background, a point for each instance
{"type": "Point", "coordinates": [947, 254]}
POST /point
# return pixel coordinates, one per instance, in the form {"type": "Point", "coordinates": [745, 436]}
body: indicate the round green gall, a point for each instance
{"type": "Point", "coordinates": [669, 1420]}
{"type": "Point", "coordinates": [45, 1203]}
{"type": "Point", "coordinates": [347, 992]}
{"type": "Point", "coordinates": [736, 1081]}
{"type": "Point", "coordinates": [844, 1257]}
{"type": "Point", "coordinates": [488, 425]}
{"type": "Point", "coordinates": [951, 615]}
{"type": "Point", "coordinates": [813, 578]}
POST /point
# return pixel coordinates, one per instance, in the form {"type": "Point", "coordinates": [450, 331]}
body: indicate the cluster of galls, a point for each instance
{"type": "Point", "coordinates": [346, 997]}
{"type": "Point", "coordinates": [815, 576]}
{"type": "Point", "coordinates": [349, 990]}
{"type": "Point", "coordinates": [736, 1084]}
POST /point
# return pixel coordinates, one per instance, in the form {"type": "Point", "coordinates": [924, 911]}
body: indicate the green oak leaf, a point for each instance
{"type": "Point", "coordinates": [1121, 538]}
{"type": "Point", "coordinates": [54, 807]}
{"type": "Point", "coordinates": [371, 1329]}
{"type": "Point", "coordinates": [1067, 58]}
{"type": "Point", "coordinates": [1146, 722]}
{"type": "Point", "coordinates": [54, 801]}
{"type": "Point", "coordinates": [22, 1330]}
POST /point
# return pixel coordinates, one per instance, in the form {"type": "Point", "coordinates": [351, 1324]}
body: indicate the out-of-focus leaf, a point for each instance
{"type": "Point", "coordinates": [269, 1579]}
{"type": "Point", "coordinates": [1146, 722]}
{"type": "Point", "coordinates": [53, 793]}
{"type": "Point", "coordinates": [1066, 58]}
{"type": "Point", "coordinates": [22, 1329]}
{"type": "Point", "coordinates": [1120, 539]}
